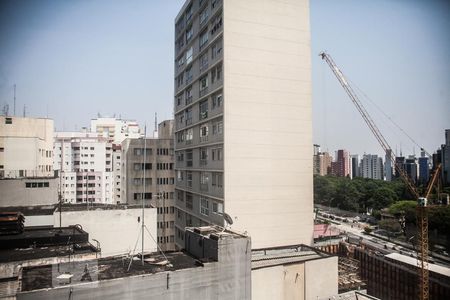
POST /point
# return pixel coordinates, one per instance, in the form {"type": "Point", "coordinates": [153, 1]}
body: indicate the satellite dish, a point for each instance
{"type": "Point", "coordinates": [227, 218]}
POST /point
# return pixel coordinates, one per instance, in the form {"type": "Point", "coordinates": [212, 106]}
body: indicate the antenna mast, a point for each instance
{"type": "Point", "coordinates": [14, 99]}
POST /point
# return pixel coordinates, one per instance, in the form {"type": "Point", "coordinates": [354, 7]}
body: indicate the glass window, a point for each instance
{"type": "Point", "coordinates": [204, 206]}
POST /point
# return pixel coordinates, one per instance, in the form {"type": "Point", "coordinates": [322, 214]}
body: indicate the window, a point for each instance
{"type": "Point", "coordinates": [217, 154]}
{"type": "Point", "coordinates": [203, 16]}
{"type": "Point", "coordinates": [8, 120]}
{"type": "Point", "coordinates": [204, 206]}
{"type": "Point", "coordinates": [204, 181]}
{"type": "Point", "coordinates": [216, 73]}
{"type": "Point", "coordinates": [216, 24]}
{"type": "Point", "coordinates": [180, 196]}
{"type": "Point", "coordinates": [217, 180]}
{"type": "Point", "coordinates": [203, 108]}
{"type": "Point", "coordinates": [203, 156]}
{"type": "Point", "coordinates": [137, 151]}
{"type": "Point", "coordinates": [203, 62]}
{"type": "Point", "coordinates": [189, 33]}
{"type": "Point", "coordinates": [188, 74]}
{"type": "Point", "coordinates": [179, 99]}
{"type": "Point", "coordinates": [217, 128]}
{"type": "Point", "coordinates": [137, 181]}
{"type": "Point", "coordinates": [203, 39]}
{"type": "Point", "coordinates": [189, 135]}
{"type": "Point", "coordinates": [180, 61]}
{"type": "Point", "coordinates": [179, 175]}
{"type": "Point", "coordinates": [188, 116]}
{"type": "Point", "coordinates": [2, 149]}
{"type": "Point", "coordinates": [188, 95]}
{"type": "Point", "coordinates": [180, 156]}
{"type": "Point", "coordinates": [179, 80]}
{"type": "Point", "coordinates": [204, 133]}
{"type": "Point", "coordinates": [203, 83]}
{"type": "Point", "coordinates": [188, 158]}
{"type": "Point", "coordinates": [189, 202]}
{"type": "Point", "coordinates": [217, 208]}
{"type": "Point", "coordinates": [189, 178]}
{"type": "Point", "coordinates": [216, 49]}
{"type": "Point", "coordinates": [216, 101]}
{"type": "Point", "coordinates": [189, 54]}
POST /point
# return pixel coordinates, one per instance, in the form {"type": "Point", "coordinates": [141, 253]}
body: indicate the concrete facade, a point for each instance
{"type": "Point", "coordinates": [372, 167]}
{"type": "Point", "coordinates": [159, 180]}
{"type": "Point", "coordinates": [85, 163]}
{"type": "Point", "coordinates": [26, 147]}
{"type": "Point", "coordinates": [243, 118]}
{"type": "Point", "coordinates": [28, 191]}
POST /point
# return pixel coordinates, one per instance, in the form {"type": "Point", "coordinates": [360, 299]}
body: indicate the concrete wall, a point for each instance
{"type": "Point", "coordinates": [308, 280]}
{"type": "Point", "coordinates": [267, 120]}
{"type": "Point", "coordinates": [321, 277]}
{"type": "Point", "coordinates": [14, 192]}
{"type": "Point", "coordinates": [116, 230]}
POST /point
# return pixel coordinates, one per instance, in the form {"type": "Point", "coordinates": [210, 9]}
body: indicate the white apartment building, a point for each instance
{"type": "Point", "coordinates": [26, 147]}
{"type": "Point", "coordinates": [86, 162]}
{"type": "Point", "coordinates": [372, 166]}
{"type": "Point", "coordinates": [243, 120]}
{"type": "Point", "coordinates": [117, 130]}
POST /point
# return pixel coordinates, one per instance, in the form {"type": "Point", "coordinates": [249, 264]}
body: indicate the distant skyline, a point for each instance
{"type": "Point", "coordinates": [74, 59]}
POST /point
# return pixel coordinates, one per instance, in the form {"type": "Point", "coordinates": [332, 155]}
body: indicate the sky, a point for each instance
{"type": "Point", "coordinates": [73, 60]}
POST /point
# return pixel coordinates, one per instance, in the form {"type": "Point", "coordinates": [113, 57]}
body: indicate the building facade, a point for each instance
{"type": "Point", "coordinates": [356, 170]}
{"type": "Point", "coordinates": [116, 130]}
{"type": "Point", "coordinates": [84, 162]}
{"type": "Point", "coordinates": [322, 163]}
{"type": "Point", "coordinates": [148, 174]}
{"type": "Point", "coordinates": [243, 118]}
{"type": "Point", "coordinates": [341, 166]}
{"type": "Point", "coordinates": [372, 167]}
{"type": "Point", "coordinates": [26, 147]}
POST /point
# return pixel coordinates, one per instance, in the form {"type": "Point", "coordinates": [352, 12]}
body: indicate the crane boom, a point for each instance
{"type": "Point", "coordinates": [370, 123]}
{"type": "Point", "coordinates": [422, 209]}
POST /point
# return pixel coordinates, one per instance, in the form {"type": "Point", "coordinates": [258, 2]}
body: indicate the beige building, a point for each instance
{"type": "Point", "coordinates": [26, 147]}
{"type": "Point", "coordinates": [243, 118]}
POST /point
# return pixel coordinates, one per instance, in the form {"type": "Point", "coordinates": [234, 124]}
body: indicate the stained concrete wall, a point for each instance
{"type": "Point", "coordinates": [116, 229]}
{"type": "Point", "coordinates": [321, 277]}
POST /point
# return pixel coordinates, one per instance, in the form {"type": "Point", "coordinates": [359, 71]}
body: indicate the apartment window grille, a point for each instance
{"type": "Point", "coordinates": [188, 74]}
{"type": "Point", "coordinates": [188, 95]}
{"type": "Point", "coordinates": [189, 201]}
{"type": "Point", "coordinates": [216, 24]}
{"type": "Point", "coordinates": [203, 156]}
{"type": "Point", "coordinates": [217, 101]}
{"type": "Point", "coordinates": [203, 16]}
{"type": "Point", "coordinates": [189, 158]}
{"type": "Point", "coordinates": [188, 116]}
{"type": "Point", "coordinates": [189, 34]}
{"type": "Point", "coordinates": [203, 62]}
{"type": "Point", "coordinates": [217, 208]}
{"type": "Point", "coordinates": [204, 181]}
{"type": "Point", "coordinates": [203, 85]}
{"type": "Point", "coordinates": [189, 136]}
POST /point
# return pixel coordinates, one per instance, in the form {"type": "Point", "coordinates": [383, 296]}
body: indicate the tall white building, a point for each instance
{"type": "Point", "coordinates": [26, 147]}
{"type": "Point", "coordinates": [243, 118]}
{"type": "Point", "coordinates": [372, 167]}
{"type": "Point", "coordinates": [116, 130]}
{"type": "Point", "coordinates": [86, 163]}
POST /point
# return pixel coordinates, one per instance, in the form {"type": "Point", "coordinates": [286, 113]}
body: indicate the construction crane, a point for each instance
{"type": "Point", "coordinates": [422, 201]}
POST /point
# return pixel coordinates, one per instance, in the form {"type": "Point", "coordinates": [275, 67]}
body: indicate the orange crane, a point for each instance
{"type": "Point", "coordinates": [422, 201]}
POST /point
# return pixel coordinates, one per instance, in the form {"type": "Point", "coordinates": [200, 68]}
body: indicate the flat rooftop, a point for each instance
{"type": "Point", "coordinates": [269, 257]}
{"type": "Point", "coordinates": [44, 277]}
{"type": "Point", "coordinates": [413, 262]}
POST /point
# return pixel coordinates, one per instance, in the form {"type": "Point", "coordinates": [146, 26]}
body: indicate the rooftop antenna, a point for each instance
{"type": "Point", "coordinates": [24, 111]}
{"type": "Point", "coordinates": [14, 99]}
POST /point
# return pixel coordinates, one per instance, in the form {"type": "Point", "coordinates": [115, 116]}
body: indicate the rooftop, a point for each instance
{"type": "Point", "coordinates": [269, 257]}
{"type": "Point", "coordinates": [49, 276]}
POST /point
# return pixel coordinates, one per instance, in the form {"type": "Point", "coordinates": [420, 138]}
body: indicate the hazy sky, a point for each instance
{"type": "Point", "coordinates": [74, 59]}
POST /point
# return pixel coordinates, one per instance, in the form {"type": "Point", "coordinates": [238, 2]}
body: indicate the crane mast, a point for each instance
{"type": "Point", "coordinates": [422, 212]}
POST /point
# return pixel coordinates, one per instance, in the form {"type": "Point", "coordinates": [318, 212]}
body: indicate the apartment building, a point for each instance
{"type": "Point", "coordinates": [148, 174]}
{"type": "Point", "coordinates": [26, 147]}
{"type": "Point", "coordinates": [372, 166]}
{"type": "Point", "coordinates": [85, 163]}
{"type": "Point", "coordinates": [243, 119]}
{"type": "Point", "coordinates": [116, 130]}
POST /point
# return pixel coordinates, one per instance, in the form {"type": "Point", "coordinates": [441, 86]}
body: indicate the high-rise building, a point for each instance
{"type": "Point", "coordinates": [84, 162]}
{"type": "Point", "coordinates": [26, 147]}
{"type": "Point", "coordinates": [372, 167]}
{"type": "Point", "coordinates": [354, 160]}
{"type": "Point", "coordinates": [341, 166]}
{"type": "Point", "coordinates": [445, 158]}
{"type": "Point", "coordinates": [424, 168]}
{"type": "Point", "coordinates": [148, 174]}
{"type": "Point", "coordinates": [388, 165]}
{"type": "Point", "coordinates": [411, 167]}
{"type": "Point", "coordinates": [243, 118]}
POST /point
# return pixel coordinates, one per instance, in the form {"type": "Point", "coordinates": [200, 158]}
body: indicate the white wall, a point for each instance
{"type": "Point", "coordinates": [321, 278]}
{"type": "Point", "coordinates": [267, 120]}
{"type": "Point", "coordinates": [116, 229]}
